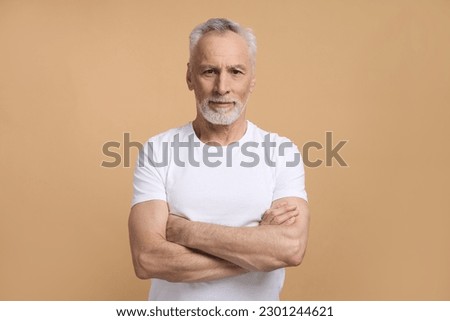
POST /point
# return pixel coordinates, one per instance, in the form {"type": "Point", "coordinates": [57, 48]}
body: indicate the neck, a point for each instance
{"type": "Point", "coordinates": [219, 134]}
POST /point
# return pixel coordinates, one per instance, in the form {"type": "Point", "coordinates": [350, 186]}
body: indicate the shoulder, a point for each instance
{"type": "Point", "coordinates": [259, 134]}
{"type": "Point", "coordinates": [170, 134]}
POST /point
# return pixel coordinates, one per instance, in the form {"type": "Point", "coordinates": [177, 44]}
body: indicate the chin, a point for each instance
{"type": "Point", "coordinates": [218, 118]}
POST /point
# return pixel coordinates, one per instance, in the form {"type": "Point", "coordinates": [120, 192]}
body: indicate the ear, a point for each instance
{"type": "Point", "coordinates": [188, 77]}
{"type": "Point", "coordinates": [252, 83]}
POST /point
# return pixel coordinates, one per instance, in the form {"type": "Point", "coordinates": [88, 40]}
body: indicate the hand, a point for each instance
{"type": "Point", "coordinates": [280, 214]}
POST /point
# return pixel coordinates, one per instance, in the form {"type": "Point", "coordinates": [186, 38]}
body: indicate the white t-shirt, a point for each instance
{"type": "Point", "coordinates": [229, 185]}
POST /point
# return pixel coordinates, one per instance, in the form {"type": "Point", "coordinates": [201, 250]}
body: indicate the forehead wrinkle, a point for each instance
{"type": "Point", "coordinates": [210, 50]}
{"type": "Point", "coordinates": [226, 66]}
{"type": "Point", "coordinates": [218, 62]}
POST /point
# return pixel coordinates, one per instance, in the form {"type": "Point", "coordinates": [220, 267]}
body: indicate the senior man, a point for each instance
{"type": "Point", "coordinates": [219, 206]}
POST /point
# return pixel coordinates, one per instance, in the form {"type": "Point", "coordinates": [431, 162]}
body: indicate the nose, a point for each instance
{"type": "Point", "coordinates": [222, 84]}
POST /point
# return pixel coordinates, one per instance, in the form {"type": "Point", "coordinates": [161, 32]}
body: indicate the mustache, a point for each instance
{"type": "Point", "coordinates": [221, 100]}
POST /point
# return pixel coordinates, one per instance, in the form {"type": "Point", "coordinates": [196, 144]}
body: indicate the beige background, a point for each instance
{"type": "Point", "coordinates": [77, 74]}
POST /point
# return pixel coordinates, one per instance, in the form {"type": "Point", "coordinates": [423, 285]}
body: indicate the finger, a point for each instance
{"type": "Point", "coordinates": [279, 219]}
{"type": "Point", "coordinates": [279, 209]}
{"type": "Point", "coordinates": [282, 210]}
{"type": "Point", "coordinates": [290, 221]}
{"type": "Point", "coordinates": [270, 214]}
{"type": "Point", "coordinates": [280, 204]}
{"type": "Point", "coordinates": [283, 218]}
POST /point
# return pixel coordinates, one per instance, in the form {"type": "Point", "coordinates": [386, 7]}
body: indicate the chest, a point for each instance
{"type": "Point", "coordinates": [232, 196]}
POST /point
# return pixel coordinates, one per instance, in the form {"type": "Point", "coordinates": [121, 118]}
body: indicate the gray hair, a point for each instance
{"type": "Point", "coordinates": [222, 25]}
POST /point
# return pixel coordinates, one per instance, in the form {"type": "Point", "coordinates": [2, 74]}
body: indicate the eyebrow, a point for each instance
{"type": "Point", "coordinates": [238, 66]}
{"type": "Point", "coordinates": [229, 68]}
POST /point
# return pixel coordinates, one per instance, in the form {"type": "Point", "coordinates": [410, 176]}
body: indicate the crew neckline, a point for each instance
{"type": "Point", "coordinates": [240, 141]}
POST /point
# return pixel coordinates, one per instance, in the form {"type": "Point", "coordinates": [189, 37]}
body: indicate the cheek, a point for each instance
{"type": "Point", "coordinates": [199, 92]}
{"type": "Point", "coordinates": [245, 90]}
{"type": "Point", "coordinates": [202, 84]}
{"type": "Point", "coordinates": [203, 89]}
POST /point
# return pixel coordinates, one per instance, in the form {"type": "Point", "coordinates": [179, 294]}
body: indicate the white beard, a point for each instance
{"type": "Point", "coordinates": [221, 116]}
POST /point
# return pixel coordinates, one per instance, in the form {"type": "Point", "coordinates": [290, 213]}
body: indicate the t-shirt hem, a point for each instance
{"type": "Point", "coordinates": [282, 195]}
{"type": "Point", "coordinates": [144, 198]}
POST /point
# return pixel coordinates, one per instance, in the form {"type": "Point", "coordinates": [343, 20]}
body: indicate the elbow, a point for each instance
{"type": "Point", "coordinates": [142, 268]}
{"type": "Point", "coordinates": [141, 274]}
{"type": "Point", "coordinates": [146, 267]}
{"type": "Point", "coordinates": [295, 260]}
{"type": "Point", "coordinates": [295, 255]}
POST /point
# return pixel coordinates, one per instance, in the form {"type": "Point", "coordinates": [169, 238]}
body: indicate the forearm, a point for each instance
{"type": "Point", "coordinates": [261, 248]}
{"type": "Point", "coordinates": [176, 263]}
{"type": "Point", "coordinates": [155, 257]}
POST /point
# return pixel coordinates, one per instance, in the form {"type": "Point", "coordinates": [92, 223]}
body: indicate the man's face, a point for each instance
{"type": "Point", "coordinates": [220, 73]}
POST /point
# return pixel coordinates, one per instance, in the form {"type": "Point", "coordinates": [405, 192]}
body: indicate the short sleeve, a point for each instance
{"type": "Point", "coordinates": [148, 180]}
{"type": "Point", "coordinates": [290, 173]}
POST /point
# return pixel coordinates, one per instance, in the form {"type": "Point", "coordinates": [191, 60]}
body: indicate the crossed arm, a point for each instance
{"type": "Point", "coordinates": [178, 250]}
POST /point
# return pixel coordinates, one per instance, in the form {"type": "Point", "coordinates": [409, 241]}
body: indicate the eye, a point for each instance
{"type": "Point", "coordinates": [237, 72]}
{"type": "Point", "coordinates": [209, 72]}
